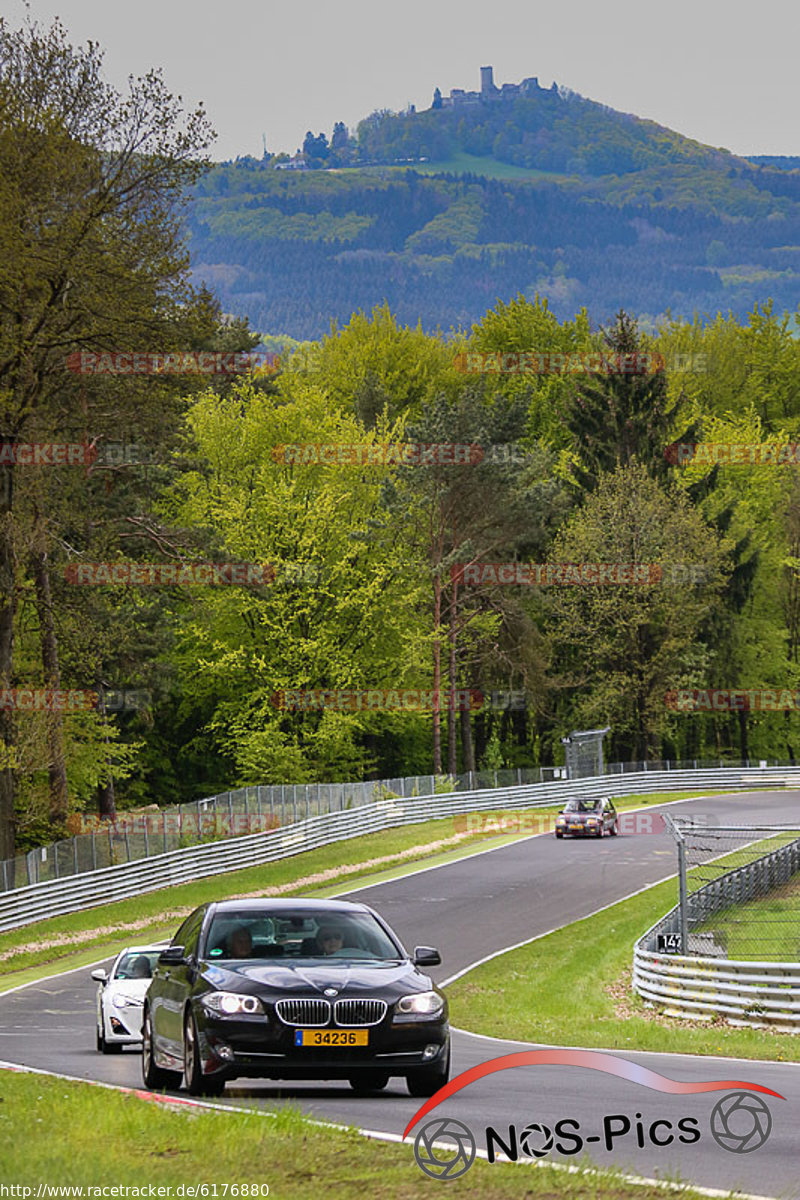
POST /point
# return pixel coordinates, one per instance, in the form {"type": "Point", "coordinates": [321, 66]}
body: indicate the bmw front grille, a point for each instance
{"type": "Point", "coordinates": [359, 1012]}
{"type": "Point", "coordinates": [303, 1012]}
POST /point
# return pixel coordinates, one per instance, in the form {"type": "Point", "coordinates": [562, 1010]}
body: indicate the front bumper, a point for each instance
{"type": "Point", "coordinates": [123, 1026]}
{"type": "Point", "coordinates": [262, 1047]}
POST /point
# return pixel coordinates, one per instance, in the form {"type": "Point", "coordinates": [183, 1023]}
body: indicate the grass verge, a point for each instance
{"type": "Point", "coordinates": [762, 930]}
{"type": "Point", "coordinates": [572, 987]}
{"type": "Point", "coordinates": [71, 1134]}
{"type": "Point", "coordinates": [76, 939]}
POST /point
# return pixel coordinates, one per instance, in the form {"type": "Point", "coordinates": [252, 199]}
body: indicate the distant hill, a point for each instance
{"type": "Point", "coordinates": [506, 191]}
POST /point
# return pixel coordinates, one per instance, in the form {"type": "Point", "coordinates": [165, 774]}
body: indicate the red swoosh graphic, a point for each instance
{"type": "Point", "coordinates": [593, 1059]}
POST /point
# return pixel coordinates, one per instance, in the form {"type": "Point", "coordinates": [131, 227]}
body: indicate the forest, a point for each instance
{"type": "Point", "coordinates": [204, 578]}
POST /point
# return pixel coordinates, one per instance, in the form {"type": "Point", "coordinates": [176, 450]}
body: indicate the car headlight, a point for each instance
{"type": "Point", "coordinates": [121, 1001]}
{"type": "Point", "coordinates": [425, 1004]}
{"type": "Point", "coordinates": [231, 1004]}
{"type": "Point", "coordinates": [561, 820]}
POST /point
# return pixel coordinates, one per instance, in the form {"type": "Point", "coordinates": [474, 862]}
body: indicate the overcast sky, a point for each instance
{"type": "Point", "coordinates": [723, 71]}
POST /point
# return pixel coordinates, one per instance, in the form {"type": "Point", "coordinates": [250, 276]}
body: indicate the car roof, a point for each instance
{"type": "Point", "coordinates": [272, 905]}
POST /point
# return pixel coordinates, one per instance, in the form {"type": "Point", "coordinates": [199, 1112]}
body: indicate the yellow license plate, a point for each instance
{"type": "Point", "coordinates": [331, 1037]}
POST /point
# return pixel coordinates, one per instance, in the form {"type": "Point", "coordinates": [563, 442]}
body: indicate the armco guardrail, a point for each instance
{"type": "Point", "coordinates": [57, 896]}
{"type": "Point", "coordinates": [753, 993]}
{"type": "Point", "coordinates": [256, 808]}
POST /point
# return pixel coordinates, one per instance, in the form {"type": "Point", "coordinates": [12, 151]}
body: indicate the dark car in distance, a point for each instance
{"type": "Point", "coordinates": [587, 817]}
{"type": "Point", "coordinates": [293, 989]}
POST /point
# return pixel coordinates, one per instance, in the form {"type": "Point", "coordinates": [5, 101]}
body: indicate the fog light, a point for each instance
{"type": "Point", "coordinates": [117, 1026]}
{"type": "Point", "coordinates": [431, 1051]}
{"type": "Point", "coordinates": [223, 1051]}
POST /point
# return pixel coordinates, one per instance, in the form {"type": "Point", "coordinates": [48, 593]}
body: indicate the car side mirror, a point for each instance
{"type": "Point", "coordinates": [100, 975]}
{"type": "Point", "coordinates": [172, 955]}
{"type": "Point", "coordinates": [426, 956]}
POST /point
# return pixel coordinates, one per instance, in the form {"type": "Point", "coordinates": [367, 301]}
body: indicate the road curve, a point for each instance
{"type": "Point", "coordinates": [471, 909]}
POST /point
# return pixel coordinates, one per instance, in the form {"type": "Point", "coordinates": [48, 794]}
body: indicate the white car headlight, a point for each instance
{"type": "Point", "coordinates": [121, 1001]}
{"type": "Point", "coordinates": [231, 1004]}
{"type": "Point", "coordinates": [425, 1004]}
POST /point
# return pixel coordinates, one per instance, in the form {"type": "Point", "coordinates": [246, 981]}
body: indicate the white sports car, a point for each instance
{"type": "Point", "coordinates": [120, 997]}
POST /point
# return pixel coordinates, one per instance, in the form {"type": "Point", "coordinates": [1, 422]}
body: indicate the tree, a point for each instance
{"type": "Point", "coordinates": [624, 414]}
{"type": "Point", "coordinates": [91, 255]}
{"type": "Point", "coordinates": [621, 648]}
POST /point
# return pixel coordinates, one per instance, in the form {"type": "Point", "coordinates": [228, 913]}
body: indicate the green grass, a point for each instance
{"type": "Point", "coordinates": [462, 163]}
{"type": "Point", "coordinates": [572, 987]}
{"type": "Point", "coordinates": [763, 930]}
{"type": "Point", "coordinates": [76, 939]}
{"type": "Point", "coordinates": [72, 1134]}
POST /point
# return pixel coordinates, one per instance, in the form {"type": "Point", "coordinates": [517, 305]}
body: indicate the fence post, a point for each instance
{"type": "Point", "coordinates": [94, 853]}
{"type": "Point", "coordinates": [682, 895]}
{"type": "Point", "coordinates": [164, 826]}
{"type": "Point", "coordinates": [146, 838]}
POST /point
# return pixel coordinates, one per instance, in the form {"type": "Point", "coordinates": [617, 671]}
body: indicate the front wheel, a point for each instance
{"type": "Point", "coordinates": [156, 1079]}
{"type": "Point", "coordinates": [195, 1082]}
{"type": "Point", "coordinates": [559, 835]}
{"type": "Point", "coordinates": [613, 830]}
{"type": "Point", "coordinates": [428, 1080]}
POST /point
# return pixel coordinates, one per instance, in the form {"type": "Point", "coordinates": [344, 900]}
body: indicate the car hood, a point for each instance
{"type": "Point", "coordinates": [347, 978]}
{"type": "Point", "coordinates": [128, 987]}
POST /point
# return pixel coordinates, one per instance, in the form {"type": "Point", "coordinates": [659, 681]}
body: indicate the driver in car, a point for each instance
{"type": "Point", "coordinates": [329, 939]}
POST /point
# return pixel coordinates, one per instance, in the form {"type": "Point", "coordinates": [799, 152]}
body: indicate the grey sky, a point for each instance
{"type": "Point", "coordinates": [722, 71]}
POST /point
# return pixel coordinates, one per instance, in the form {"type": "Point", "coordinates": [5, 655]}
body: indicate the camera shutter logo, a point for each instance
{"type": "Point", "coordinates": [536, 1140]}
{"type": "Point", "coordinates": [740, 1122]}
{"type": "Point", "coordinates": [440, 1162]}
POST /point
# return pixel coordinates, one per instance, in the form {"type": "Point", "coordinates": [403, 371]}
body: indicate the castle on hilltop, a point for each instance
{"type": "Point", "coordinates": [489, 92]}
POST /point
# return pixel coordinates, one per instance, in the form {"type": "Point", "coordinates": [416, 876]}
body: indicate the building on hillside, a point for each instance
{"type": "Point", "coordinates": [489, 93]}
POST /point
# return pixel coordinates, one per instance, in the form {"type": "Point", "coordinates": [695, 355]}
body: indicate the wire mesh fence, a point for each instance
{"type": "Point", "coordinates": [739, 891]}
{"type": "Point", "coordinates": [259, 808]}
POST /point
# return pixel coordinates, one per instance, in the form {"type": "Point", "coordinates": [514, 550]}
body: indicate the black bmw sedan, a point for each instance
{"type": "Point", "coordinates": [293, 989]}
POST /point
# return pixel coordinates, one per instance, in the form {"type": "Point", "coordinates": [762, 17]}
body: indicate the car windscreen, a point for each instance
{"type": "Point", "coordinates": [580, 806]}
{"type": "Point", "coordinates": [301, 934]}
{"type": "Point", "coordinates": [138, 964]}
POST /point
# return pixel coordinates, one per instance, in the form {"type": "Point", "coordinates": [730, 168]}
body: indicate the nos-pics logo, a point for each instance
{"type": "Point", "coordinates": [445, 1148]}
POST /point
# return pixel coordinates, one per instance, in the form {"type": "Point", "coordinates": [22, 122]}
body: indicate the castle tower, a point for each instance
{"type": "Point", "coordinates": [487, 81]}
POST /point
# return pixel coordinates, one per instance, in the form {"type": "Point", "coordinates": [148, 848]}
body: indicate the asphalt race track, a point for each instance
{"type": "Point", "coordinates": [469, 910]}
